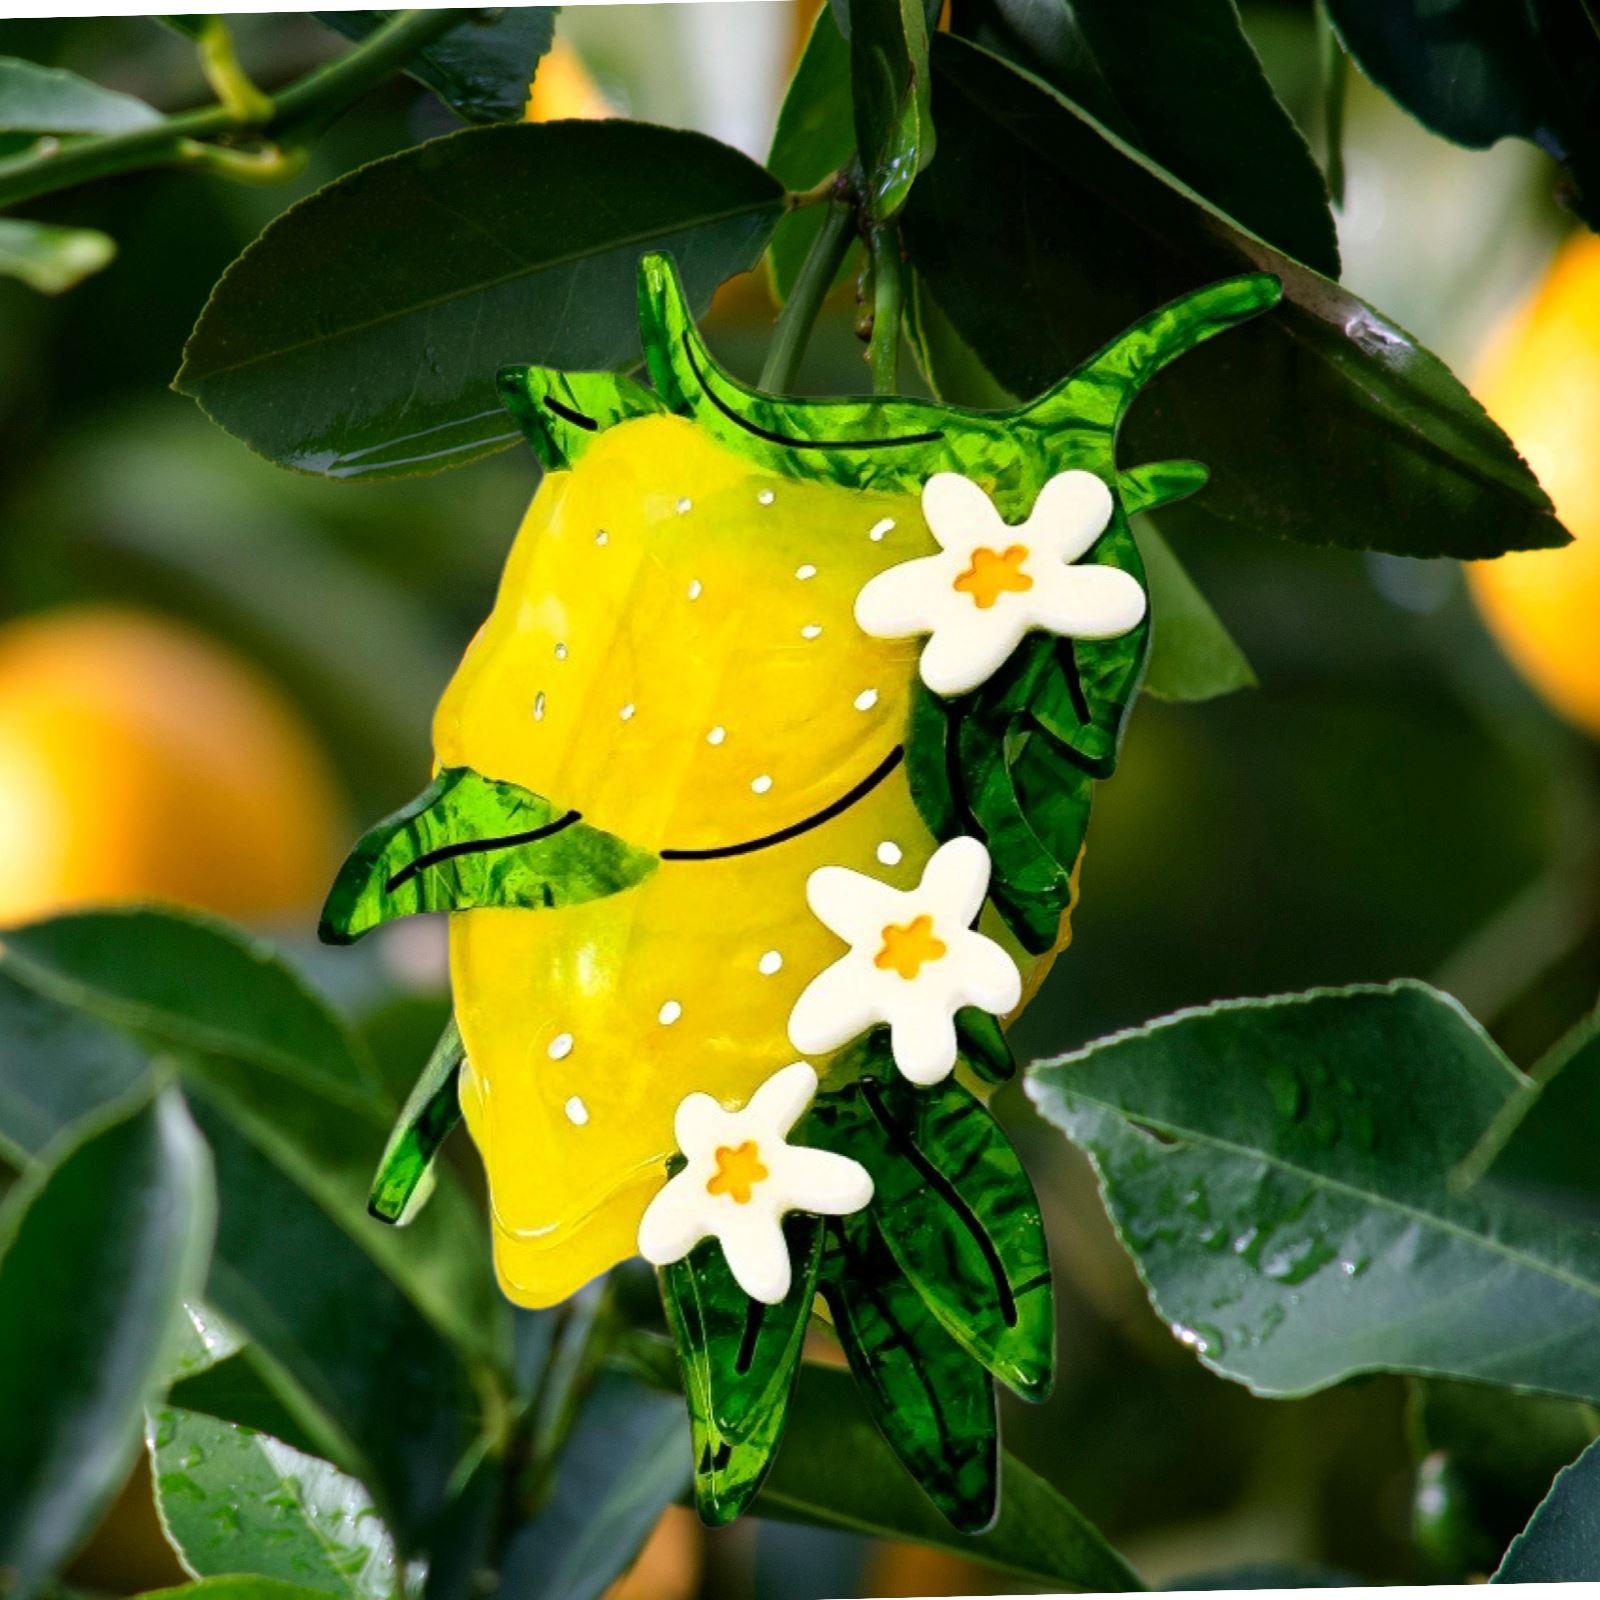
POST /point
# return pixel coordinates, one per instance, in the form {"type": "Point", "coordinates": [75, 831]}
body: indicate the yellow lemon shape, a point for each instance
{"type": "Point", "coordinates": [672, 653]}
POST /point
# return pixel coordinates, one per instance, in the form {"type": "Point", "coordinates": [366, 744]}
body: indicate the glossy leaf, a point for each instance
{"type": "Point", "coordinates": [235, 1501]}
{"type": "Point", "coordinates": [815, 136]}
{"type": "Point", "coordinates": [889, 91]}
{"type": "Point", "coordinates": [369, 1378]}
{"type": "Point", "coordinates": [1155, 86]}
{"type": "Point", "coordinates": [52, 259]}
{"type": "Point", "coordinates": [332, 287]}
{"type": "Point", "coordinates": [89, 1317]}
{"type": "Point", "coordinates": [1039, 1536]}
{"type": "Point", "coordinates": [35, 99]}
{"type": "Point", "coordinates": [1192, 655]}
{"type": "Point", "coordinates": [1480, 71]}
{"type": "Point", "coordinates": [191, 980]}
{"type": "Point", "coordinates": [1324, 422]}
{"type": "Point", "coordinates": [739, 1359]}
{"type": "Point", "coordinates": [624, 1463]}
{"type": "Point", "coordinates": [470, 841]}
{"type": "Point", "coordinates": [1281, 1171]}
{"type": "Point", "coordinates": [237, 1390]}
{"type": "Point", "coordinates": [481, 69]}
{"type": "Point", "coordinates": [1562, 1542]}
{"type": "Point", "coordinates": [982, 1043]}
{"type": "Point", "coordinates": [955, 1207]}
{"type": "Point", "coordinates": [404, 1178]}
{"type": "Point", "coordinates": [242, 1029]}
{"type": "Point", "coordinates": [933, 1403]}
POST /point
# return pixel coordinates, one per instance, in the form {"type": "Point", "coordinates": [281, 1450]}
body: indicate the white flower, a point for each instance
{"type": "Point", "coordinates": [742, 1178]}
{"type": "Point", "coordinates": [991, 583]}
{"type": "Point", "coordinates": [914, 961]}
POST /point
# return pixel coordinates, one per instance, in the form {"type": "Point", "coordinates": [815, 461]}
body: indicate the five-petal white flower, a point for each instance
{"type": "Point", "coordinates": [742, 1177]}
{"type": "Point", "coordinates": [914, 961]}
{"type": "Point", "coordinates": [992, 583]}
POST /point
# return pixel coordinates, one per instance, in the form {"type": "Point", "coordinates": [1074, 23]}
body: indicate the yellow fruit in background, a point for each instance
{"type": "Point", "coordinates": [563, 88]}
{"type": "Point", "coordinates": [141, 760]}
{"type": "Point", "coordinates": [1540, 381]}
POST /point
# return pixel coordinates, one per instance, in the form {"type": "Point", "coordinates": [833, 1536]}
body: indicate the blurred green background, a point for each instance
{"type": "Point", "coordinates": [1392, 800]}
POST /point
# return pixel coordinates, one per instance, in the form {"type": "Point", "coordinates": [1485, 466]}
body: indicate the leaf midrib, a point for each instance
{"type": "Point", "coordinates": [484, 286]}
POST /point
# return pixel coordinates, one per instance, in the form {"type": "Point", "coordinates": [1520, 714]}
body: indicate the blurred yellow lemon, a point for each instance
{"type": "Point", "coordinates": [1540, 381]}
{"type": "Point", "coordinates": [562, 88]}
{"type": "Point", "coordinates": [140, 760]}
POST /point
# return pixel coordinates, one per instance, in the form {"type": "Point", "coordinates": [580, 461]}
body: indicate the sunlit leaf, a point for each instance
{"type": "Point", "coordinates": [35, 99]}
{"type": "Point", "coordinates": [51, 259]}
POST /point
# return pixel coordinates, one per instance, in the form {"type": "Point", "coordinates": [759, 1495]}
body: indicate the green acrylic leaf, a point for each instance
{"type": "Point", "coordinates": [35, 99]}
{"type": "Point", "coordinates": [889, 82]}
{"type": "Point", "coordinates": [1562, 1542]}
{"type": "Point", "coordinates": [955, 1207]}
{"type": "Point", "coordinates": [233, 1501]}
{"type": "Point", "coordinates": [468, 841]}
{"type": "Point", "coordinates": [981, 1041]}
{"type": "Point", "coordinates": [1282, 1172]}
{"type": "Point", "coordinates": [560, 413]}
{"type": "Point", "coordinates": [1192, 656]}
{"type": "Point", "coordinates": [52, 259]}
{"type": "Point", "coordinates": [1401, 457]}
{"type": "Point", "coordinates": [814, 137]}
{"type": "Point", "coordinates": [404, 1179]}
{"type": "Point", "coordinates": [1039, 1536]}
{"type": "Point", "coordinates": [335, 286]}
{"type": "Point", "coordinates": [1478, 71]}
{"type": "Point", "coordinates": [931, 1401]}
{"type": "Point", "coordinates": [1153, 87]}
{"type": "Point", "coordinates": [739, 1360]}
{"type": "Point", "coordinates": [1159, 483]}
{"type": "Point", "coordinates": [94, 1301]}
{"type": "Point", "coordinates": [481, 69]}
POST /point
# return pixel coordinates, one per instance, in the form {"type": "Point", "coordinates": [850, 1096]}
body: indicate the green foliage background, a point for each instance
{"type": "Point", "coordinates": [1337, 1244]}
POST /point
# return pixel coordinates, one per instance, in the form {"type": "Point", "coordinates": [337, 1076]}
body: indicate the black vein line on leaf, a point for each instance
{"type": "Point", "coordinates": [785, 439]}
{"type": "Point", "coordinates": [567, 414]}
{"type": "Point", "coordinates": [902, 1142]}
{"type": "Point", "coordinates": [805, 825]}
{"type": "Point", "coordinates": [754, 1316]}
{"type": "Point", "coordinates": [471, 847]}
{"type": "Point", "coordinates": [1067, 655]}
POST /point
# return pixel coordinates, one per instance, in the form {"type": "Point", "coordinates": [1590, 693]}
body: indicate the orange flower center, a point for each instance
{"type": "Point", "coordinates": [993, 572]}
{"type": "Point", "coordinates": [907, 947]}
{"type": "Point", "coordinates": [739, 1170]}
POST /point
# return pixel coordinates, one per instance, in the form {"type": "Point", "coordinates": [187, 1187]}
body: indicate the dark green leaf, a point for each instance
{"type": "Point", "coordinates": [481, 69]}
{"type": "Point", "coordinates": [889, 84]}
{"type": "Point", "coordinates": [51, 259]}
{"type": "Point", "coordinates": [1539, 1148]}
{"type": "Point", "coordinates": [739, 1359]}
{"type": "Point", "coordinates": [625, 1462]}
{"type": "Point", "coordinates": [1323, 422]}
{"type": "Point", "coordinates": [235, 1501]}
{"type": "Point", "coordinates": [952, 371]}
{"type": "Point", "coordinates": [1478, 71]}
{"type": "Point", "coordinates": [1562, 1542]}
{"type": "Point", "coordinates": [97, 1254]}
{"type": "Point", "coordinates": [931, 1401]}
{"type": "Point", "coordinates": [1281, 1172]}
{"type": "Point", "coordinates": [815, 136]}
{"type": "Point", "coordinates": [1154, 83]}
{"type": "Point", "coordinates": [471, 841]}
{"type": "Point", "coordinates": [366, 1375]}
{"type": "Point", "coordinates": [404, 1179]}
{"type": "Point", "coordinates": [1039, 1536]}
{"type": "Point", "coordinates": [235, 1389]}
{"type": "Point", "coordinates": [335, 346]}
{"type": "Point", "coordinates": [955, 1207]}
{"type": "Point", "coordinates": [35, 99]}
{"type": "Point", "coordinates": [982, 1042]}
{"type": "Point", "coordinates": [190, 980]}
{"type": "Point", "coordinates": [1192, 656]}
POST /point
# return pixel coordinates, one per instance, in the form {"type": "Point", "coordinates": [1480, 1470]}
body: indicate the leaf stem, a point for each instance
{"type": "Point", "coordinates": [883, 350]}
{"type": "Point", "coordinates": [301, 112]}
{"type": "Point", "coordinates": [228, 79]}
{"type": "Point", "coordinates": [1335, 65]}
{"type": "Point", "coordinates": [799, 313]}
